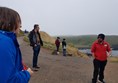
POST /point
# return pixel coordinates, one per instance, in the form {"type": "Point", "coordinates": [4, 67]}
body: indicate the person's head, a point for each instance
{"type": "Point", "coordinates": [64, 39]}
{"type": "Point", "coordinates": [101, 37]}
{"type": "Point", "coordinates": [58, 37]}
{"type": "Point", "coordinates": [36, 27]}
{"type": "Point", "coordinates": [9, 20]}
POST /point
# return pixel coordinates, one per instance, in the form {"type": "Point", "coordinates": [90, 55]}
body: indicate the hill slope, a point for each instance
{"type": "Point", "coordinates": [87, 40]}
{"type": "Point", "coordinates": [49, 43]}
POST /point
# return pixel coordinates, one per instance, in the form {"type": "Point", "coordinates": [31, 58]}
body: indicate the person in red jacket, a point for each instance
{"type": "Point", "coordinates": [100, 51]}
{"type": "Point", "coordinates": [57, 43]}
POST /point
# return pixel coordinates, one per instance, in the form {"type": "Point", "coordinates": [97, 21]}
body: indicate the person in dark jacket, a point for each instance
{"type": "Point", "coordinates": [64, 47]}
{"type": "Point", "coordinates": [36, 42]}
{"type": "Point", "coordinates": [57, 43]}
{"type": "Point", "coordinates": [100, 51]}
{"type": "Point", "coordinates": [11, 64]}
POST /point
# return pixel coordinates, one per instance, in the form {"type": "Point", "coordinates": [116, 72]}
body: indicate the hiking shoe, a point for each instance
{"type": "Point", "coordinates": [101, 81]}
{"type": "Point", "coordinates": [35, 69]}
{"type": "Point", "coordinates": [93, 81]}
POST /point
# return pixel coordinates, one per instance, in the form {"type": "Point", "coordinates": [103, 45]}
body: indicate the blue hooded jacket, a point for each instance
{"type": "Point", "coordinates": [11, 68]}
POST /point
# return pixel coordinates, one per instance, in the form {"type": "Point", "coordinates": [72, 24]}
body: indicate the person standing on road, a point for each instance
{"type": "Point", "coordinates": [100, 51]}
{"type": "Point", "coordinates": [11, 67]}
{"type": "Point", "coordinates": [64, 47]}
{"type": "Point", "coordinates": [36, 42]}
{"type": "Point", "coordinates": [57, 43]}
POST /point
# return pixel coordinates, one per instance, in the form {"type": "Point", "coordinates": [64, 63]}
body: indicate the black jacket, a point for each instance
{"type": "Point", "coordinates": [32, 39]}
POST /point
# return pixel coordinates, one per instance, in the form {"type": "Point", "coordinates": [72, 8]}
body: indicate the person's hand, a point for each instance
{"type": "Point", "coordinates": [93, 55]}
{"type": "Point", "coordinates": [30, 71]}
{"type": "Point", "coordinates": [109, 54]}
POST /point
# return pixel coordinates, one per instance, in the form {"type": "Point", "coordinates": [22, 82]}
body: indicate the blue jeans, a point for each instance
{"type": "Point", "coordinates": [36, 50]}
{"type": "Point", "coordinates": [64, 52]}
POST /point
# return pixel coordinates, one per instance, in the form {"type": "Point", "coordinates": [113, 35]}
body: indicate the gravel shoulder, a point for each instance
{"type": "Point", "coordinates": [60, 69]}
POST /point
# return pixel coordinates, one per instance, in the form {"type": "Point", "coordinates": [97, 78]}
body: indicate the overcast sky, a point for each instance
{"type": "Point", "coordinates": [68, 17]}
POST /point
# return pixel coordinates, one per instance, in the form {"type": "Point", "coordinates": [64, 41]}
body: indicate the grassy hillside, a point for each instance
{"type": "Point", "coordinates": [49, 43]}
{"type": "Point", "coordinates": [21, 33]}
{"type": "Point", "coordinates": [87, 40]}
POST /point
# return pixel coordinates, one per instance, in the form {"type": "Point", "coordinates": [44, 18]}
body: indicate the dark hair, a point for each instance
{"type": "Point", "coordinates": [102, 36]}
{"type": "Point", "coordinates": [64, 39]}
{"type": "Point", "coordinates": [58, 37]}
{"type": "Point", "coordinates": [9, 19]}
{"type": "Point", "coordinates": [35, 26]}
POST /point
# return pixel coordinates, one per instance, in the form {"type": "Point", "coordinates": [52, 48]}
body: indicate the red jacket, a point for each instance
{"type": "Point", "coordinates": [100, 50]}
{"type": "Point", "coordinates": [57, 42]}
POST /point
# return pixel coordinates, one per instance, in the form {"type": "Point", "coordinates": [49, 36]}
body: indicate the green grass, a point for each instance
{"type": "Point", "coordinates": [113, 59]}
{"type": "Point", "coordinates": [26, 39]}
{"type": "Point", "coordinates": [71, 49]}
{"type": "Point", "coordinates": [87, 40]}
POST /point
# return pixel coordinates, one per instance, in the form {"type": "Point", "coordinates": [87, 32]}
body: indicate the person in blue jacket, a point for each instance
{"type": "Point", "coordinates": [11, 67]}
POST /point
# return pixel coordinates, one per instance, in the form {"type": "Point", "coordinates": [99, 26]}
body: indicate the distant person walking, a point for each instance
{"type": "Point", "coordinates": [64, 47]}
{"type": "Point", "coordinates": [100, 51]}
{"type": "Point", "coordinates": [36, 42]}
{"type": "Point", "coordinates": [11, 67]}
{"type": "Point", "coordinates": [57, 43]}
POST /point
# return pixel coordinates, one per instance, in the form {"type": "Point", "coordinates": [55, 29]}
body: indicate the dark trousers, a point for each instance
{"type": "Point", "coordinates": [57, 48]}
{"type": "Point", "coordinates": [99, 67]}
{"type": "Point", "coordinates": [64, 52]}
{"type": "Point", "coordinates": [36, 51]}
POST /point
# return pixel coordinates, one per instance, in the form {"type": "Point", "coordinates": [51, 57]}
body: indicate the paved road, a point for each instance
{"type": "Point", "coordinates": [59, 69]}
